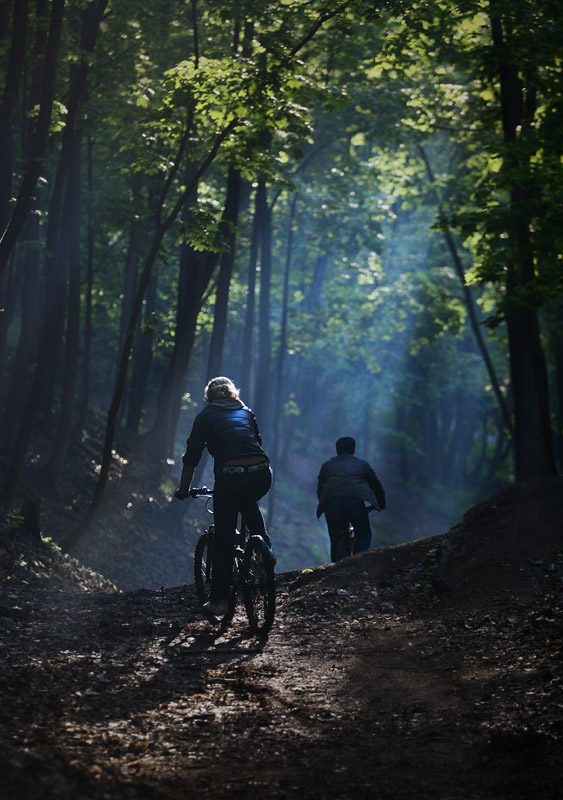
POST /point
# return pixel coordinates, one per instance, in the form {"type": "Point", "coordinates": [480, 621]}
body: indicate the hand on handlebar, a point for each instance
{"type": "Point", "coordinates": [182, 493]}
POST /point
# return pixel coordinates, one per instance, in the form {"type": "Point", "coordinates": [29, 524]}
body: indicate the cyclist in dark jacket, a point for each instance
{"type": "Point", "coordinates": [242, 476]}
{"type": "Point", "coordinates": [347, 486]}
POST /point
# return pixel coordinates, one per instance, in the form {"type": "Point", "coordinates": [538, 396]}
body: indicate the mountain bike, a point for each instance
{"type": "Point", "coordinates": [253, 573]}
{"type": "Point", "coordinates": [349, 542]}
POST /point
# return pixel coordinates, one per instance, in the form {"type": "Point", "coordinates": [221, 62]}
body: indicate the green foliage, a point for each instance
{"type": "Point", "coordinates": [341, 120]}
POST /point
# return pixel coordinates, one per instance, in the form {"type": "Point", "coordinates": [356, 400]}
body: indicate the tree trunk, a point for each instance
{"type": "Point", "coordinates": [248, 331]}
{"type": "Point", "coordinates": [26, 349]}
{"type": "Point", "coordinates": [532, 436]}
{"type": "Point", "coordinates": [29, 323]}
{"type": "Point", "coordinates": [534, 453]}
{"type": "Point", "coordinates": [72, 349]}
{"type": "Point", "coordinates": [261, 391]}
{"type": "Point", "coordinates": [470, 306]}
{"type": "Point", "coordinates": [34, 165]}
{"type": "Point", "coordinates": [230, 217]}
{"type": "Point", "coordinates": [554, 316]}
{"type": "Point", "coordinates": [142, 360]}
{"type": "Point", "coordinates": [8, 105]}
{"type": "Point", "coordinates": [87, 342]}
{"type": "Point", "coordinates": [129, 280]}
{"type": "Point", "coordinates": [278, 377]}
{"type": "Point", "coordinates": [196, 269]}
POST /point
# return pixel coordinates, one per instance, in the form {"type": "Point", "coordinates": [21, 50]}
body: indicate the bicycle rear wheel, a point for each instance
{"type": "Point", "coordinates": [259, 591]}
{"type": "Point", "coordinates": [203, 571]}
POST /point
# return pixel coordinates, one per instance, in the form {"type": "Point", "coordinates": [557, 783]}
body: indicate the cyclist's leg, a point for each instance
{"type": "Point", "coordinates": [337, 518]}
{"type": "Point", "coordinates": [255, 486]}
{"type": "Point", "coordinates": [225, 517]}
{"type": "Point", "coordinates": [359, 518]}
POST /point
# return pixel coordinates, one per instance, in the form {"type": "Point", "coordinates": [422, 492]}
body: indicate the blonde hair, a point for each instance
{"type": "Point", "coordinates": [220, 389]}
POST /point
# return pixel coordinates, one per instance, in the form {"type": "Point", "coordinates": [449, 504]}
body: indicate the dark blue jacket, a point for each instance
{"type": "Point", "coordinates": [228, 429]}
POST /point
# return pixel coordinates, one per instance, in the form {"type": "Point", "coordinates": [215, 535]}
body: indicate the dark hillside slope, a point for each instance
{"type": "Point", "coordinates": [508, 547]}
{"type": "Point", "coordinates": [429, 669]}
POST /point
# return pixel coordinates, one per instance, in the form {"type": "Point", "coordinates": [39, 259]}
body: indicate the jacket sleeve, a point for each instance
{"type": "Point", "coordinates": [320, 482]}
{"type": "Point", "coordinates": [375, 485]}
{"type": "Point", "coordinates": [195, 444]}
{"type": "Point", "coordinates": [256, 430]}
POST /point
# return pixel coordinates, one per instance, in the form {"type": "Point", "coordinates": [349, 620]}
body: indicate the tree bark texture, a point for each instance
{"type": "Point", "coordinates": [262, 388]}
{"type": "Point", "coordinates": [72, 341]}
{"type": "Point", "coordinates": [230, 218]}
{"type": "Point", "coordinates": [534, 451]}
{"type": "Point", "coordinates": [55, 265]}
{"type": "Point", "coordinates": [8, 105]}
{"type": "Point", "coordinates": [34, 165]}
{"type": "Point", "coordinates": [249, 316]}
{"type": "Point", "coordinates": [142, 360]}
{"type": "Point", "coordinates": [280, 360]}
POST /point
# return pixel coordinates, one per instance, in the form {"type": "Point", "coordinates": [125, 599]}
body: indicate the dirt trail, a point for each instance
{"type": "Point", "coordinates": [371, 684]}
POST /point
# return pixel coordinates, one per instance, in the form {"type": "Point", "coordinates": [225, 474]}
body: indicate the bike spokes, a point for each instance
{"type": "Point", "coordinates": [259, 589]}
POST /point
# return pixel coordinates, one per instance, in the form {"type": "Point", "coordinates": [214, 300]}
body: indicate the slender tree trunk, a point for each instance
{"type": "Point", "coordinates": [142, 360]}
{"type": "Point", "coordinates": [72, 349]}
{"type": "Point", "coordinates": [261, 392]}
{"type": "Point", "coordinates": [278, 378]}
{"type": "Point", "coordinates": [8, 105]}
{"type": "Point", "coordinates": [196, 270]}
{"type": "Point", "coordinates": [230, 217]}
{"type": "Point", "coordinates": [29, 324]}
{"type": "Point", "coordinates": [308, 401]}
{"type": "Point", "coordinates": [26, 349]}
{"type": "Point", "coordinates": [248, 331]}
{"type": "Point", "coordinates": [5, 318]}
{"type": "Point", "coordinates": [87, 340]}
{"type": "Point", "coordinates": [554, 315]}
{"type": "Point", "coordinates": [470, 305]}
{"type": "Point", "coordinates": [11, 233]}
{"type": "Point", "coordinates": [216, 345]}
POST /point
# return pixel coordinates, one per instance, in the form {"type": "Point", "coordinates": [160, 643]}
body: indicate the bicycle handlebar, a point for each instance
{"type": "Point", "coordinates": [201, 491]}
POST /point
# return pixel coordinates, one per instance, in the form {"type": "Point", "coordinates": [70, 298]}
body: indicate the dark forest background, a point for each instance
{"type": "Point", "coordinates": [352, 209]}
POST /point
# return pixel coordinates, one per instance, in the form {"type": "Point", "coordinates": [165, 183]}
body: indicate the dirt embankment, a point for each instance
{"type": "Point", "coordinates": [431, 669]}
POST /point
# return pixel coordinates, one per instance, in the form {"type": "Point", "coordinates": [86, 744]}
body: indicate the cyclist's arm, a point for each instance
{"type": "Point", "coordinates": [183, 489]}
{"type": "Point", "coordinates": [190, 459]}
{"type": "Point", "coordinates": [196, 442]}
{"type": "Point", "coordinates": [375, 485]}
{"type": "Point", "coordinates": [256, 429]}
{"type": "Point", "coordinates": [320, 482]}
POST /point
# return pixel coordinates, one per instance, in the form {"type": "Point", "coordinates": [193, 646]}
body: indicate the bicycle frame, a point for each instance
{"type": "Point", "coordinates": [252, 576]}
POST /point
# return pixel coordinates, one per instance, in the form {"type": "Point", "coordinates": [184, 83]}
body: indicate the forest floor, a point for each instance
{"type": "Point", "coordinates": [430, 669]}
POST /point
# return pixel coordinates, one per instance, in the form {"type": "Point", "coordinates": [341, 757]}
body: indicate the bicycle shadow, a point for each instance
{"type": "Point", "coordinates": [224, 639]}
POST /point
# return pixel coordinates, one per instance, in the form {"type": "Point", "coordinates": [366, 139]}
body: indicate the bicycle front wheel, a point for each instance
{"type": "Point", "coordinates": [202, 568]}
{"type": "Point", "coordinates": [259, 591]}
